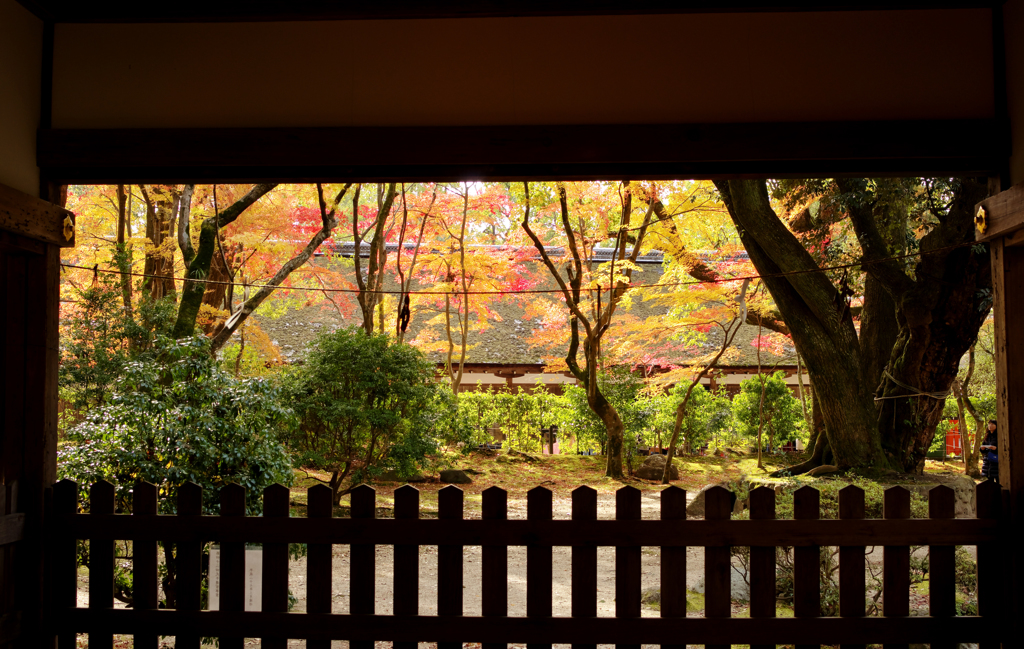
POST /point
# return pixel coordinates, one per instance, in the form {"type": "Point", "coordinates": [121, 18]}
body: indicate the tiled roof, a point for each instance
{"type": "Point", "coordinates": [506, 339]}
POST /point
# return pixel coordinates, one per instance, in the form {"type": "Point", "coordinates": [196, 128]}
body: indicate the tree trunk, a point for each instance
{"type": "Point", "coordinates": [939, 311]}
{"type": "Point", "coordinates": [616, 431]}
{"type": "Point", "coordinates": [369, 289]}
{"type": "Point", "coordinates": [821, 325]}
{"type": "Point", "coordinates": [222, 272]}
{"type": "Point", "coordinates": [161, 212]}
{"type": "Point", "coordinates": [123, 253]}
{"type": "Point", "coordinates": [199, 260]}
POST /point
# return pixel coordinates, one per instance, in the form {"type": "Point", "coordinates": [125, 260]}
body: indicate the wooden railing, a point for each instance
{"type": "Point", "coordinates": [539, 533]}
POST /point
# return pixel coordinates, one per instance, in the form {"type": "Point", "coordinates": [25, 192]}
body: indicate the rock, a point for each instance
{"type": "Point", "coordinates": [824, 469]}
{"type": "Point", "coordinates": [651, 597]}
{"type": "Point", "coordinates": [696, 508]}
{"type": "Point", "coordinates": [455, 476]}
{"type": "Point", "coordinates": [654, 467]}
{"type": "Point", "coordinates": [472, 472]}
{"type": "Point", "coordinates": [963, 490]}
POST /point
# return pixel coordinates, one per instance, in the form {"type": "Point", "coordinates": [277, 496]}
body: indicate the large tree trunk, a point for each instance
{"type": "Point", "coordinates": [821, 325]}
{"type": "Point", "coordinates": [881, 395]}
{"type": "Point", "coordinates": [161, 212]}
{"type": "Point", "coordinates": [939, 311]}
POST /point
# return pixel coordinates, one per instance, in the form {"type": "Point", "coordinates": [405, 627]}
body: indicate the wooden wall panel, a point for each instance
{"type": "Point", "coordinates": [21, 44]}
{"type": "Point", "coordinates": [691, 68]}
{"type": "Point", "coordinates": [1013, 26]}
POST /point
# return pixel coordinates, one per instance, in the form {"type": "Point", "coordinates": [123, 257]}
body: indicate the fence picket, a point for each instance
{"type": "Point", "coordinates": [319, 560]}
{"type": "Point", "coordinates": [7, 553]}
{"type": "Point", "coordinates": [190, 563]}
{"type": "Point", "coordinates": [896, 562]}
{"type": "Point", "coordinates": [762, 561]}
{"type": "Point", "coordinates": [539, 534]}
{"type": "Point", "coordinates": [942, 562]}
{"type": "Point", "coordinates": [673, 559]}
{"type": "Point", "coordinates": [627, 561]}
{"type": "Point", "coordinates": [363, 564]}
{"type": "Point", "coordinates": [717, 562]}
{"type": "Point", "coordinates": [988, 500]}
{"type": "Point", "coordinates": [274, 595]}
{"type": "Point", "coordinates": [232, 562]}
{"type": "Point", "coordinates": [539, 569]}
{"type": "Point", "coordinates": [65, 560]}
{"type": "Point", "coordinates": [407, 560]}
{"type": "Point", "coordinates": [144, 564]}
{"type": "Point", "coordinates": [494, 580]}
{"type": "Point", "coordinates": [806, 561]}
{"type": "Point", "coordinates": [852, 580]}
{"type": "Point", "coordinates": [449, 562]}
{"type": "Point", "coordinates": [101, 563]}
{"type": "Point", "coordinates": [584, 561]}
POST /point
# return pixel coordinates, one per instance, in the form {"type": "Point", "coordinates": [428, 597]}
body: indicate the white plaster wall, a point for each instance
{"type": "Point", "coordinates": [21, 46]}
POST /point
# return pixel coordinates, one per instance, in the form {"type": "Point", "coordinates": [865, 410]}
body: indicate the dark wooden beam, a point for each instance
{"type": "Point", "coordinates": [1002, 216]}
{"type": "Point", "coordinates": [123, 11]}
{"type": "Point", "coordinates": [367, 154]}
{"type": "Point", "coordinates": [35, 219]}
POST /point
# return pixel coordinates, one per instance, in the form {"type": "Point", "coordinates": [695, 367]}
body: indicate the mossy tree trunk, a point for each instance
{"type": "Point", "coordinates": [916, 323]}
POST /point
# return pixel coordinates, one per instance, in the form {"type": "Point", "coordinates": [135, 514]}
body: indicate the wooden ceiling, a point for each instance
{"type": "Point", "coordinates": [160, 11]}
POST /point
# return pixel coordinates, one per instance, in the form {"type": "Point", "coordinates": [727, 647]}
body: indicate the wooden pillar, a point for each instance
{"type": "Point", "coordinates": [30, 235]}
{"type": "Point", "coordinates": [1000, 222]}
{"type": "Point", "coordinates": [1008, 310]}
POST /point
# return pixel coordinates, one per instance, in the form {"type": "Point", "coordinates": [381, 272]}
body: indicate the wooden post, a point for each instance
{"type": "Point", "coordinates": [29, 270]}
{"type": "Point", "coordinates": [1000, 222]}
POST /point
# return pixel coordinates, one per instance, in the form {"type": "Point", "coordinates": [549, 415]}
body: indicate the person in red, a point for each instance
{"type": "Point", "coordinates": [990, 455]}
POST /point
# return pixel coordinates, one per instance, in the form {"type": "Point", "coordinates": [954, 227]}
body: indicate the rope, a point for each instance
{"type": "Point", "coordinates": [940, 396]}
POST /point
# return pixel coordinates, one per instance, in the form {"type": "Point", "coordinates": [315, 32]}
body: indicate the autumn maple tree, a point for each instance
{"type": "Point", "coordinates": [585, 283]}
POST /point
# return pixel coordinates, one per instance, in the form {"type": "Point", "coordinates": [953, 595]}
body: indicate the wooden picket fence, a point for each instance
{"type": "Point", "coordinates": [539, 533]}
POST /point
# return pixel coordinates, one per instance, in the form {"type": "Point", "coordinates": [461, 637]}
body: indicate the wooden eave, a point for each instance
{"type": "Point", "coordinates": [967, 147]}
{"type": "Point", "coordinates": [120, 11]}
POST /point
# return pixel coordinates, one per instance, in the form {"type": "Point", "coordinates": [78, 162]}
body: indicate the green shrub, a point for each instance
{"type": "Point", "coordinates": [175, 417]}
{"type": "Point", "coordinates": [366, 403]}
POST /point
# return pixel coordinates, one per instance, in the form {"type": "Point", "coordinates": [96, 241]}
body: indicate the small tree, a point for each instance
{"type": "Point", "coordinates": [100, 337]}
{"type": "Point", "coordinates": [363, 399]}
{"type": "Point", "coordinates": [703, 416]}
{"type": "Point", "coordinates": [625, 392]}
{"type": "Point", "coordinates": [781, 410]}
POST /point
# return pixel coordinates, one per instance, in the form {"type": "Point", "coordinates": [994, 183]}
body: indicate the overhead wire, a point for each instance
{"type": "Point", "coordinates": [721, 280]}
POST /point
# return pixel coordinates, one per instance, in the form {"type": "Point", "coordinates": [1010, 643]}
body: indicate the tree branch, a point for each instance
{"type": "Point", "coordinates": [887, 271]}
{"type": "Point", "coordinates": [250, 305]}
